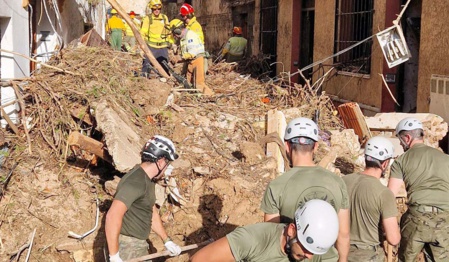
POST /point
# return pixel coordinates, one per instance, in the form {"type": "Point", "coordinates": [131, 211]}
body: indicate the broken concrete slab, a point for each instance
{"type": "Point", "coordinates": [123, 142]}
{"type": "Point", "coordinates": [435, 128]}
{"type": "Point", "coordinates": [181, 163]}
{"type": "Point", "coordinates": [202, 170]}
{"type": "Point", "coordinates": [348, 142]}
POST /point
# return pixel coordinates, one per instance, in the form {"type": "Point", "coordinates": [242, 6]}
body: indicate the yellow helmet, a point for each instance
{"type": "Point", "coordinates": [113, 11]}
{"type": "Point", "coordinates": [175, 23]}
{"type": "Point", "coordinates": [155, 4]}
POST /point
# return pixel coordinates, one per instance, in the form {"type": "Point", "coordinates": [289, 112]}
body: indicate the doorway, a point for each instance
{"type": "Point", "coordinates": [268, 31]}
{"type": "Point", "coordinates": [306, 38]}
{"type": "Point", "coordinates": [243, 16]}
{"type": "Point", "coordinates": [408, 76]}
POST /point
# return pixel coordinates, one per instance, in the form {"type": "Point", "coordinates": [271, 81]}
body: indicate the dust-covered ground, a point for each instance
{"type": "Point", "coordinates": [221, 174]}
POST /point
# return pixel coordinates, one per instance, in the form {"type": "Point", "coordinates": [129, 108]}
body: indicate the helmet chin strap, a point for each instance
{"type": "Point", "coordinates": [383, 171]}
{"type": "Point", "coordinates": [159, 172]}
{"type": "Point", "coordinates": [406, 146]}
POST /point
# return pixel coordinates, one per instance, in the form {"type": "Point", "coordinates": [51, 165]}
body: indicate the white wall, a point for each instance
{"type": "Point", "coordinates": [45, 46]}
{"type": "Point", "coordinates": [14, 37]}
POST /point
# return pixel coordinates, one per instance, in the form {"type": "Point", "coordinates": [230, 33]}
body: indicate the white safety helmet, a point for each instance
{"type": "Point", "coordinates": [301, 127]}
{"type": "Point", "coordinates": [407, 124]}
{"type": "Point", "coordinates": [379, 148]}
{"type": "Point", "coordinates": [157, 147]}
{"type": "Point", "coordinates": [317, 226]}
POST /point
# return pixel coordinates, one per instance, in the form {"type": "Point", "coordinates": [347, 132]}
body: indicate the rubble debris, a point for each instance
{"type": "Point", "coordinates": [353, 119]}
{"type": "Point", "coordinates": [252, 152]}
{"type": "Point", "coordinates": [92, 38]}
{"type": "Point", "coordinates": [123, 142]}
{"type": "Point", "coordinates": [78, 141]}
{"type": "Point", "coordinates": [435, 128]}
{"type": "Point", "coordinates": [221, 188]}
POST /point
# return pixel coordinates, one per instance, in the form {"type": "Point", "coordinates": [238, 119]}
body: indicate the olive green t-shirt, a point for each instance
{"type": "Point", "coordinates": [136, 191]}
{"type": "Point", "coordinates": [371, 202]}
{"type": "Point", "coordinates": [425, 171]}
{"type": "Point", "coordinates": [257, 243]}
{"type": "Point", "coordinates": [300, 184]}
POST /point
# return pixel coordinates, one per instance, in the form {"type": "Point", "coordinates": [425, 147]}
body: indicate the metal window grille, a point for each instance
{"type": "Point", "coordinates": [268, 30]}
{"type": "Point", "coordinates": [354, 23]}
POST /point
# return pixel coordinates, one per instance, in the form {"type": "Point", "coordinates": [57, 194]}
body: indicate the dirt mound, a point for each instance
{"type": "Point", "coordinates": [221, 173]}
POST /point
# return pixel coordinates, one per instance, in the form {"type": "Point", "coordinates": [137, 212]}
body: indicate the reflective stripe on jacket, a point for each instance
{"type": "Point", "coordinates": [129, 32]}
{"type": "Point", "coordinates": [155, 30]}
{"type": "Point", "coordinates": [195, 26]}
{"type": "Point", "coordinates": [191, 45]}
{"type": "Point", "coordinates": [235, 46]}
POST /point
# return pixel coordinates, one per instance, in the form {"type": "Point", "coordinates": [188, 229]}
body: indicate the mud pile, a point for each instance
{"type": "Point", "coordinates": [221, 174]}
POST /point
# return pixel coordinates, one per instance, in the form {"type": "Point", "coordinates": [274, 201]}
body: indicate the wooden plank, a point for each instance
{"type": "Point", "coordinates": [92, 38]}
{"type": "Point", "coordinates": [276, 123]}
{"type": "Point", "coordinates": [10, 123]}
{"type": "Point", "coordinates": [89, 144]}
{"type": "Point", "coordinates": [25, 3]}
{"type": "Point", "coordinates": [329, 158]}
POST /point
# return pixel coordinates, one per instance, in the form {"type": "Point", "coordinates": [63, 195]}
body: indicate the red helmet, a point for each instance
{"type": "Point", "coordinates": [237, 30]}
{"type": "Point", "coordinates": [132, 13]}
{"type": "Point", "coordinates": [186, 9]}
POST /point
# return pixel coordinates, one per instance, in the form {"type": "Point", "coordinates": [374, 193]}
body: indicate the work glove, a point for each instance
{"type": "Point", "coordinates": [174, 249]}
{"type": "Point", "coordinates": [115, 258]}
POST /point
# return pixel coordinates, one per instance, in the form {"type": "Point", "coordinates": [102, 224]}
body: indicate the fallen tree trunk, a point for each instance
{"type": "Point", "coordinates": [139, 38]}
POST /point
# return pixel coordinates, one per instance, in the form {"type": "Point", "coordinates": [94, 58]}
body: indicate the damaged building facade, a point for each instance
{"type": "Point", "coordinates": [341, 23]}
{"type": "Point", "coordinates": [13, 19]}
{"type": "Point", "coordinates": [296, 34]}
{"type": "Point", "coordinates": [46, 27]}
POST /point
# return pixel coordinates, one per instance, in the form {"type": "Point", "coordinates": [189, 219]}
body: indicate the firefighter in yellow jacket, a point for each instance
{"type": "Point", "coordinates": [192, 54]}
{"type": "Point", "coordinates": [235, 48]}
{"type": "Point", "coordinates": [115, 28]}
{"type": "Point", "coordinates": [129, 41]}
{"type": "Point", "coordinates": [155, 32]}
{"type": "Point", "coordinates": [187, 14]}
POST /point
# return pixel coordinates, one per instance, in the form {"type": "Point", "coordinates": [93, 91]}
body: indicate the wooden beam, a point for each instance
{"type": "Point", "coordinates": [329, 158]}
{"type": "Point", "coordinates": [276, 123]}
{"type": "Point", "coordinates": [89, 144]}
{"type": "Point", "coordinates": [10, 123]}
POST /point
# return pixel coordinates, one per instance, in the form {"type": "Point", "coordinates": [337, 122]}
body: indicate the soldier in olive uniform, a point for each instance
{"type": "Point", "coordinates": [372, 205]}
{"type": "Point", "coordinates": [425, 172]}
{"type": "Point", "coordinates": [306, 181]}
